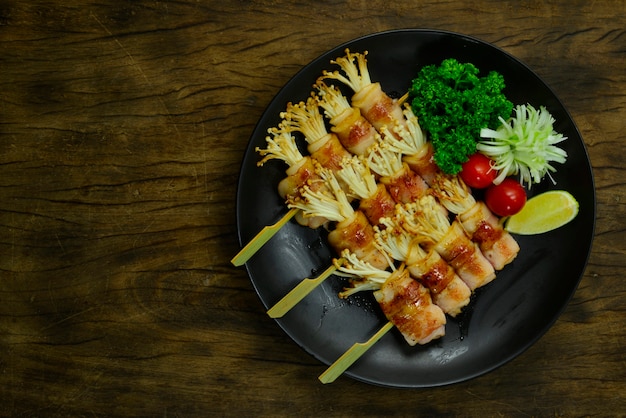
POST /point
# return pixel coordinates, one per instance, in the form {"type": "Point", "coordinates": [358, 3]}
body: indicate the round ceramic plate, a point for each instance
{"type": "Point", "coordinates": [504, 318]}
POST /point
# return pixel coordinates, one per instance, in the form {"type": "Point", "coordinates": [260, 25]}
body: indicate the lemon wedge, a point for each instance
{"type": "Point", "coordinates": [544, 212]}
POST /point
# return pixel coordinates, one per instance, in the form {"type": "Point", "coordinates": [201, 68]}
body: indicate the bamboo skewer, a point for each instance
{"type": "Point", "coordinates": [351, 355]}
{"type": "Point", "coordinates": [298, 293]}
{"type": "Point", "coordinates": [261, 238]}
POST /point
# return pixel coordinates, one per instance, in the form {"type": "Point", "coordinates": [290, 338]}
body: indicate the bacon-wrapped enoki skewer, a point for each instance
{"type": "Point", "coordinates": [377, 107]}
{"type": "Point", "coordinates": [404, 301]}
{"type": "Point", "coordinates": [411, 142]}
{"type": "Point", "coordinates": [354, 131]}
{"type": "Point", "coordinates": [428, 222]}
{"type": "Point", "coordinates": [323, 146]}
{"type": "Point", "coordinates": [402, 183]}
{"type": "Point", "coordinates": [300, 172]}
{"type": "Point", "coordinates": [352, 231]}
{"type": "Point", "coordinates": [281, 145]}
{"type": "Point", "coordinates": [447, 289]}
{"type": "Point", "coordinates": [374, 199]}
{"type": "Point", "coordinates": [483, 227]}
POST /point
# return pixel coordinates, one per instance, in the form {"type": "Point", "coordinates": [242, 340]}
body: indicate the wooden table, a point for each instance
{"type": "Point", "coordinates": [122, 128]}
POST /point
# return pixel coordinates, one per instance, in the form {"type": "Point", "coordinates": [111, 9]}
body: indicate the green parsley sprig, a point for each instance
{"type": "Point", "coordinates": [453, 103]}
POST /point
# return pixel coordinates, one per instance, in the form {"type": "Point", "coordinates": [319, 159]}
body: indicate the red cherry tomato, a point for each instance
{"type": "Point", "coordinates": [506, 198]}
{"type": "Point", "coordinates": [477, 171]}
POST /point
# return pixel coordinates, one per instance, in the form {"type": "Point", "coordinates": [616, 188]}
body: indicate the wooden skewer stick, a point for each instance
{"type": "Point", "coordinates": [298, 293]}
{"type": "Point", "coordinates": [261, 238]}
{"type": "Point", "coordinates": [404, 98]}
{"type": "Point", "coordinates": [353, 354]}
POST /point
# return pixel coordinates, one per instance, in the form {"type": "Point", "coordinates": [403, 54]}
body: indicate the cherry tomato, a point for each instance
{"type": "Point", "coordinates": [506, 198]}
{"type": "Point", "coordinates": [477, 171]}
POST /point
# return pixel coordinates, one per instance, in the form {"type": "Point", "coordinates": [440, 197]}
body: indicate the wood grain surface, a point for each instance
{"type": "Point", "coordinates": [122, 128]}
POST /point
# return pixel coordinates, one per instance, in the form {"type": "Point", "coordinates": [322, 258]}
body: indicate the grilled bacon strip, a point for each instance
{"type": "Point", "coordinates": [356, 234]}
{"type": "Point", "coordinates": [448, 291]}
{"type": "Point", "coordinates": [408, 304]}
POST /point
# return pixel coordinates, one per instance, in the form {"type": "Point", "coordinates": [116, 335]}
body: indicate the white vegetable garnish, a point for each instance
{"type": "Point", "coordinates": [524, 145]}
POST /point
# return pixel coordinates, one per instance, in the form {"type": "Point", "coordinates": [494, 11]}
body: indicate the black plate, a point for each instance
{"type": "Point", "coordinates": [504, 318]}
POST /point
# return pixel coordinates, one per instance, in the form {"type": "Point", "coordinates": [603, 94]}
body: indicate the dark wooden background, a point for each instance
{"type": "Point", "coordinates": [122, 127]}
